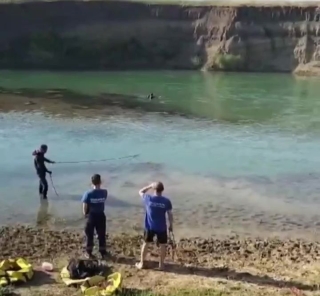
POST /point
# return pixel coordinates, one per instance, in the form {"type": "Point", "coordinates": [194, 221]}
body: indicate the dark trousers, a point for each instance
{"type": "Point", "coordinates": [96, 221]}
{"type": "Point", "coordinates": [43, 186]}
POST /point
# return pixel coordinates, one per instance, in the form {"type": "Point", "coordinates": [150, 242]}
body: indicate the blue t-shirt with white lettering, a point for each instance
{"type": "Point", "coordinates": [95, 199]}
{"type": "Point", "coordinates": [156, 209]}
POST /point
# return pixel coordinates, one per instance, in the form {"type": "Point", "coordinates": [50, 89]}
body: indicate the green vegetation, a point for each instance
{"type": "Point", "coordinates": [6, 291]}
{"type": "Point", "coordinates": [50, 50]}
{"type": "Point", "coordinates": [228, 62]}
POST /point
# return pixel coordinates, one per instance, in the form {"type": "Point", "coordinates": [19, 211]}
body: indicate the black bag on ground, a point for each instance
{"type": "Point", "coordinates": [81, 269]}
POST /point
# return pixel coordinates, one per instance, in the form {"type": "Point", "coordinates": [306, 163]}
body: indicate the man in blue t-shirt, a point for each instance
{"type": "Point", "coordinates": [157, 206]}
{"type": "Point", "coordinates": [93, 209]}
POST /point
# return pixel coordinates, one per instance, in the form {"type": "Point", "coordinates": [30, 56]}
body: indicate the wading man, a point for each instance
{"type": "Point", "coordinates": [41, 169]}
{"type": "Point", "coordinates": [93, 209]}
{"type": "Point", "coordinates": [157, 207]}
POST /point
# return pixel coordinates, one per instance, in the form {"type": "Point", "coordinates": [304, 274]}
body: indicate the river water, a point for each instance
{"type": "Point", "coordinates": [238, 153]}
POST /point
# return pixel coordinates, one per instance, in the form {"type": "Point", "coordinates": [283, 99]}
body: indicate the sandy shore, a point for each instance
{"type": "Point", "coordinates": [258, 267]}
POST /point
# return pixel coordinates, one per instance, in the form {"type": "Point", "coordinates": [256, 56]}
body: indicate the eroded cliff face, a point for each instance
{"type": "Point", "coordinates": [126, 35]}
{"type": "Point", "coordinates": [274, 39]}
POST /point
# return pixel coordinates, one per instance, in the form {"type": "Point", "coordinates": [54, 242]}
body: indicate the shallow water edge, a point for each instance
{"type": "Point", "coordinates": [236, 160]}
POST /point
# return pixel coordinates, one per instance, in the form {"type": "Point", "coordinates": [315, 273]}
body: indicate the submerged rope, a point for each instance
{"type": "Point", "coordinates": [54, 188]}
{"type": "Point", "coordinates": [129, 157]}
{"type": "Point", "coordinates": [100, 160]}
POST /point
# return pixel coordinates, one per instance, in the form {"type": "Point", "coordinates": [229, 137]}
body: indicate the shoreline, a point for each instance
{"type": "Point", "coordinates": [234, 265]}
{"type": "Point", "coordinates": [42, 242]}
{"type": "Point", "coordinates": [254, 265]}
{"type": "Point", "coordinates": [240, 216]}
{"type": "Point", "coordinates": [302, 71]}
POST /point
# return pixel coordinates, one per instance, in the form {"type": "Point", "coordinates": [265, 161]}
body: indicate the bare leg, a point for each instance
{"type": "Point", "coordinates": [163, 251]}
{"type": "Point", "coordinates": [144, 253]}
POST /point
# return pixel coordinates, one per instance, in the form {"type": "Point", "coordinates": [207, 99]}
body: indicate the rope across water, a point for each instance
{"type": "Point", "coordinates": [100, 160]}
{"type": "Point", "coordinates": [129, 157]}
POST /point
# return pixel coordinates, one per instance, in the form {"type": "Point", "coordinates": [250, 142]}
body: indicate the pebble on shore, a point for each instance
{"type": "Point", "coordinates": [37, 243]}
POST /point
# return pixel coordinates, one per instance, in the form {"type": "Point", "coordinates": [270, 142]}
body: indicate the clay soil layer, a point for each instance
{"type": "Point", "coordinates": [109, 35]}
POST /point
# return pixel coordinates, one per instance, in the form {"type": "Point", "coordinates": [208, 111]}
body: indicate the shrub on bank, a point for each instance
{"type": "Point", "coordinates": [52, 50]}
{"type": "Point", "coordinates": [6, 291]}
{"type": "Point", "coordinates": [228, 62]}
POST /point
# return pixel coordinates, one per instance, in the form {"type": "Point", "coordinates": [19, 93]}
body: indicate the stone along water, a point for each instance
{"type": "Point", "coordinates": [237, 153]}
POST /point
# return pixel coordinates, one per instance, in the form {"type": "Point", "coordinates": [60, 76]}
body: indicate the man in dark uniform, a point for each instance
{"type": "Point", "coordinates": [41, 169]}
{"type": "Point", "coordinates": [94, 210]}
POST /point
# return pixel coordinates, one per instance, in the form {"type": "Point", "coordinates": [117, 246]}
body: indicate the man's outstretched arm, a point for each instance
{"type": "Point", "coordinates": [48, 160]}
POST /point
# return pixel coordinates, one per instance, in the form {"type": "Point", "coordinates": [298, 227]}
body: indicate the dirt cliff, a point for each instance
{"type": "Point", "coordinates": [127, 35]}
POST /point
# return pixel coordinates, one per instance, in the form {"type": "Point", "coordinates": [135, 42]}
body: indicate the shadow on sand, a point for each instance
{"type": "Point", "coordinates": [224, 273]}
{"type": "Point", "coordinates": [42, 278]}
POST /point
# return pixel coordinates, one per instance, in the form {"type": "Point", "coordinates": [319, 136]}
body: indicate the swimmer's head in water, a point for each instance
{"type": "Point", "coordinates": [158, 187]}
{"type": "Point", "coordinates": [96, 180]}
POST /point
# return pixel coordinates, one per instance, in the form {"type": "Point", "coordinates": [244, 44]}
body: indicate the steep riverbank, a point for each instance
{"type": "Point", "coordinates": [127, 35]}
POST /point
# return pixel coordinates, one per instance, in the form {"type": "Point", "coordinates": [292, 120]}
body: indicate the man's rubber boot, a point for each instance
{"type": "Point", "coordinates": [89, 256]}
{"type": "Point", "coordinates": [105, 255]}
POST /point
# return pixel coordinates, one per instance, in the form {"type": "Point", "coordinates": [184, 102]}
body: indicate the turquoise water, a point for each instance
{"type": "Point", "coordinates": [232, 149]}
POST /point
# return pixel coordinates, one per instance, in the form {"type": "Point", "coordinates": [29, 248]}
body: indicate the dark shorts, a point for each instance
{"type": "Point", "coordinates": [162, 237]}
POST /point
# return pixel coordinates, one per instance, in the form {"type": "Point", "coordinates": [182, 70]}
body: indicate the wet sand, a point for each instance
{"type": "Point", "coordinates": [216, 212]}
{"type": "Point", "coordinates": [203, 206]}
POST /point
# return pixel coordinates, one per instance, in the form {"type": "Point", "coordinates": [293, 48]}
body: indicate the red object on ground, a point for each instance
{"type": "Point", "coordinates": [296, 291]}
